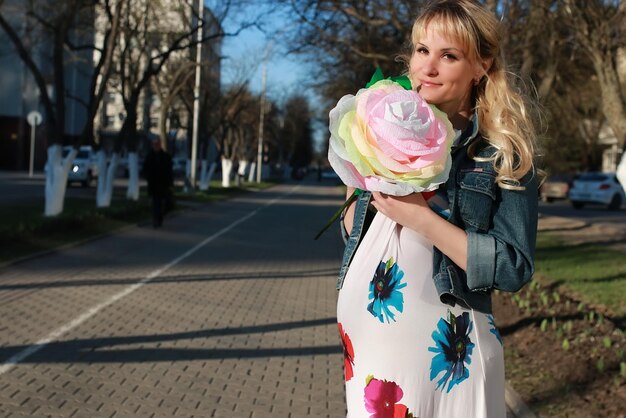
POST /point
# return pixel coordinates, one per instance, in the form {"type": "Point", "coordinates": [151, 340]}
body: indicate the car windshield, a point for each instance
{"type": "Point", "coordinates": [589, 177]}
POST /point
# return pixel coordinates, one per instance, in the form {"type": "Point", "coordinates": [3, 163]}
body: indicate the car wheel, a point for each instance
{"type": "Point", "coordinates": [578, 205]}
{"type": "Point", "coordinates": [616, 202]}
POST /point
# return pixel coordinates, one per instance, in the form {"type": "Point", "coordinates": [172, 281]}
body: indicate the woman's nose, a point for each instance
{"type": "Point", "coordinates": [429, 68]}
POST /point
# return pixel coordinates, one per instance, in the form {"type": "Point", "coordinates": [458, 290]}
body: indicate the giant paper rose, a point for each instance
{"type": "Point", "coordinates": [388, 139]}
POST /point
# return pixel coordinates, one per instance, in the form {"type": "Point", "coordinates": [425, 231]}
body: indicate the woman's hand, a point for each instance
{"type": "Point", "coordinates": [412, 212]}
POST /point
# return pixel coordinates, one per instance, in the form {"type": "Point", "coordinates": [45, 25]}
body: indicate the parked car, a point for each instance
{"type": "Point", "coordinates": [596, 187]}
{"type": "Point", "coordinates": [84, 168]}
{"type": "Point", "coordinates": [556, 187]}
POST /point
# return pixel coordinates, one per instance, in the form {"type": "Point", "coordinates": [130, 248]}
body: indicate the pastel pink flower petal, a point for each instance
{"type": "Point", "coordinates": [386, 138]}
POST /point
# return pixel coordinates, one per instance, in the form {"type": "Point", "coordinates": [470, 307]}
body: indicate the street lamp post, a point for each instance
{"type": "Point", "coordinates": [196, 97]}
{"type": "Point", "coordinates": [259, 156]}
{"type": "Point", "coordinates": [34, 118]}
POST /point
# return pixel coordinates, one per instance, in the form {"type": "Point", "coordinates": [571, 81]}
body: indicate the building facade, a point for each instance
{"type": "Point", "coordinates": [19, 94]}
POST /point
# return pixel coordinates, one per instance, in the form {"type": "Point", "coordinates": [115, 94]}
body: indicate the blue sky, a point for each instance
{"type": "Point", "coordinates": [283, 71]}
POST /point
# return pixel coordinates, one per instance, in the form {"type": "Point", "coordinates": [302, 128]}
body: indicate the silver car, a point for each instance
{"type": "Point", "coordinates": [596, 187]}
{"type": "Point", "coordinates": [84, 168]}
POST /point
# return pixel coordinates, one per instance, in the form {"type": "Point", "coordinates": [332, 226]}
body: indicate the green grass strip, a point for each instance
{"type": "Point", "coordinates": [594, 272]}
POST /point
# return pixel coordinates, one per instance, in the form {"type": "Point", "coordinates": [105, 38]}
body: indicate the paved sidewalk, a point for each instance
{"type": "Point", "coordinates": [242, 327]}
{"type": "Point", "coordinates": [227, 311]}
{"type": "Point", "coordinates": [581, 232]}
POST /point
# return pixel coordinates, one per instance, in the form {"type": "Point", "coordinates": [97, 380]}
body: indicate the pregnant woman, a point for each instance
{"type": "Point", "coordinates": [414, 306]}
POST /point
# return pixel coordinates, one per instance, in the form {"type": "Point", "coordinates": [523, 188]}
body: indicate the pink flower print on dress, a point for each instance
{"type": "Point", "coordinates": [382, 397]}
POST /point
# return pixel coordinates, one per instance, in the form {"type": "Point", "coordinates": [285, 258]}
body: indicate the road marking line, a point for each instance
{"type": "Point", "coordinates": [29, 351]}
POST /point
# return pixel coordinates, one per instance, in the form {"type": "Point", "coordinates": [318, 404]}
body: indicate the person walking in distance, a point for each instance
{"type": "Point", "coordinates": [157, 170]}
{"type": "Point", "coordinates": [414, 306]}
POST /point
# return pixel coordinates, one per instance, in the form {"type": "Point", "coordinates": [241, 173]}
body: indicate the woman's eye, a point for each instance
{"type": "Point", "coordinates": [450, 57]}
{"type": "Point", "coordinates": [421, 50]}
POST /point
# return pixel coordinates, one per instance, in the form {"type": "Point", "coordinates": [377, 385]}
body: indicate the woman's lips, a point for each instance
{"type": "Point", "coordinates": [429, 84]}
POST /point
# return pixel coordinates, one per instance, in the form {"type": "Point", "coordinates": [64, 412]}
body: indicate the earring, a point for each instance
{"type": "Point", "coordinates": [476, 81]}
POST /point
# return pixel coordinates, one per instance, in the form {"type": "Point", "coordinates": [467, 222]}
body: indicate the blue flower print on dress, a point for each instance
{"type": "Point", "coordinates": [454, 349]}
{"type": "Point", "coordinates": [385, 291]}
{"type": "Point", "coordinates": [493, 328]}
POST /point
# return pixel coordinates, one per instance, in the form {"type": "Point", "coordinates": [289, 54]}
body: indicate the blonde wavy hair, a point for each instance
{"type": "Point", "coordinates": [503, 116]}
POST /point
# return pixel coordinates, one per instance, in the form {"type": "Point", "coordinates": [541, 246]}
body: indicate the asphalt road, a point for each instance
{"type": "Point", "coordinates": [19, 187]}
{"type": "Point", "coordinates": [590, 213]}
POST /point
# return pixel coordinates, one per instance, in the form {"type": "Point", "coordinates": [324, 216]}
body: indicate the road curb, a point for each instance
{"type": "Point", "coordinates": [549, 223]}
{"type": "Point", "coordinates": [515, 403]}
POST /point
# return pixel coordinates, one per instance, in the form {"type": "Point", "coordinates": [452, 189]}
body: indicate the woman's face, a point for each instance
{"type": "Point", "coordinates": [444, 73]}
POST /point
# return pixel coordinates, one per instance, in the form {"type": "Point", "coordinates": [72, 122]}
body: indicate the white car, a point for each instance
{"type": "Point", "coordinates": [596, 187]}
{"type": "Point", "coordinates": [84, 168]}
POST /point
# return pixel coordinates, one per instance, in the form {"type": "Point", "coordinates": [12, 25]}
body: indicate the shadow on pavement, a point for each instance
{"type": "Point", "coordinates": [321, 273]}
{"type": "Point", "coordinates": [89, 350]}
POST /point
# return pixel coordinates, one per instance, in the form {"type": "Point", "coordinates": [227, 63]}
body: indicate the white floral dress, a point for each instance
{"type": "Point", "coordinates": [406, 354]}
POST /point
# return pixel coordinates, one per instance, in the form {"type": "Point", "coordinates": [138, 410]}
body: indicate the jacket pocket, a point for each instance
{"type": "Point", "coordinates": [476, 197]}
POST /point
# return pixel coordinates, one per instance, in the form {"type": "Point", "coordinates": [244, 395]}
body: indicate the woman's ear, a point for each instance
{"type": "Point", "coordinates": [486, 66]}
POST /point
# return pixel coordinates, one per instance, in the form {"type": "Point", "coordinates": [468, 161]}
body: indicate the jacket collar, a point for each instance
{"type": "Point", "coordinates": [465, 137]}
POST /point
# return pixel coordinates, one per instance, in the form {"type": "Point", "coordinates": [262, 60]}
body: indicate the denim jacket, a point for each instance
{"type": "Point", "coordinates": [501, 228]}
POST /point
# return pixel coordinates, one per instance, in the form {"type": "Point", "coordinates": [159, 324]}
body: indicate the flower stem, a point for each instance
{"type": "Point", "coordinates": [337, 214]}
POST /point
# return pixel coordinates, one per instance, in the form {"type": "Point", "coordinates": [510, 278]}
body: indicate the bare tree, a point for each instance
{"type": "Point", "coordinates": [298, 133]}
{"type": "Point", "coordinates": [56, 21]}
{"type": "Point", "coordinates": [68, 27]}
{"type": "Point", "coordinates": [564, 52]}
{"type": "Point", "coordinates": [347, 39]}
{"type": "Point", "coordinates": [148, 42]}
{"type": "Point", "coordinates": [599, 28]}
{"type": "Point", "coordinates": [169, 86]}
{"type": "Point", "coordinates": [239, 112]}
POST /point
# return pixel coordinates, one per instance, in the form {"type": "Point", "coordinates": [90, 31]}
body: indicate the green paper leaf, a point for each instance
{"type": "Point", "coordinates": [403, 81]}
{"type": "Point", "coordinates": [376, 77]}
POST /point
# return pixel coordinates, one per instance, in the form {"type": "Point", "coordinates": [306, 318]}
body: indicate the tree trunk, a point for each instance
{"type": "Point", "coordinates": [241, 171]}
{"type": "Point", "coordinates": [206, 175]}
{"type": "Point", "coordinates": [128, 136]}
{"type": "Point", "coordinates": [106, 177]}
{"type": "Point", "coordinates": [227, 166]}
{"type": "Point", "coordinates": [613, 105]}
{"type": "Point", "coordinates": [252, 172]}
{"type": "Point", "coordinates": [132, 191]}
{"type": "Point", "coordinates": [57, 170]}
